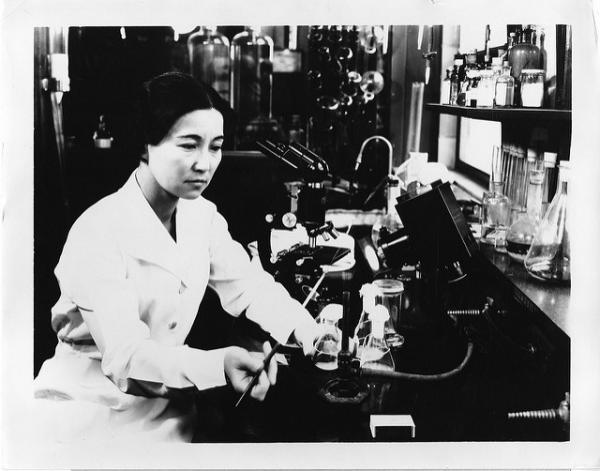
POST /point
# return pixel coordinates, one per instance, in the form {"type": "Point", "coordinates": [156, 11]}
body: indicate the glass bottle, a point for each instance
{"type": "Point", "coordinates": [505, 87]}
{"type": "Point", "coordinates": [445, 90]}
{"type": "Point", "coordinates": [368, 292]}
{"type": "Point", "coordinates": [251, 63]}
{"type": "Point", "coordinates": [495, 207]}
{"type": "Point", "coordinates": [520, 234]}
{"type": "Point", "coordinates": [524, 54]}
{"type": "Point", "coordinates": [376, 353]}
{"type": "Point", "coordinates": [455, 82]}
{"type": "Point", "coordinates": [329, 343]}
{"type": "Point", "coordinates": [209, 59]}
{"type": "Point", "coordinates": [549, 258]}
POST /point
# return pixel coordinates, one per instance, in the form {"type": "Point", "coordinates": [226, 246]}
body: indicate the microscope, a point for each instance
{"type": "Point", "coordinates": [297, 245]}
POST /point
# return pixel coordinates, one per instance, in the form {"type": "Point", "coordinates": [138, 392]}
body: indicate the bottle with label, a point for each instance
{"type": "Point", "coordinates": [209, 59]}
{"type": "Point", "coordinates": [376, 353]}
{"type": "Point", "coordinates": [521, 233]}
{"type": "Point", "coordinates": [505, 87]}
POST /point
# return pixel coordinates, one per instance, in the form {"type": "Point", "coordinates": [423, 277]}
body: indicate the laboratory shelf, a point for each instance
{"type": "Point", "coordinates": [502, 114]}
{"type": "Point", "coordinates": [549, 300]}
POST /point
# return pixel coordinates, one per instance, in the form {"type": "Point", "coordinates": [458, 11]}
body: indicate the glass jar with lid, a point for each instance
{"type": "Point", "coordinates": [532, 88]}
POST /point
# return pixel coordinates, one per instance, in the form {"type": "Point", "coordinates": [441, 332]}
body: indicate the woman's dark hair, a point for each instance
{"type": "Point", "coordinates": [168, 97]}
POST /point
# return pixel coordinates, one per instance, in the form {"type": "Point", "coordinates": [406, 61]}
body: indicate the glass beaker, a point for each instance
{"type": "Point", "coordinates": [329, 343]}
{"type": "Point", "coordinates": [549, 257]}
{"type": "Point", "coordinates": [390, 296]}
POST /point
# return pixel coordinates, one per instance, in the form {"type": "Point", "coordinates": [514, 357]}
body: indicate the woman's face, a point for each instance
{"type": "Point", "coordinates": [184, 162]}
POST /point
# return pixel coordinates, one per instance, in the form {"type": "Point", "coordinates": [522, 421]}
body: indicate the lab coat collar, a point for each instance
{"type": "Point", "coordinates": [145, 237]}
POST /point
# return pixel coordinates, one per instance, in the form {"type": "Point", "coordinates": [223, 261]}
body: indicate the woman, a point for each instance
{"type": "Point", "coordinates": [132, 273]}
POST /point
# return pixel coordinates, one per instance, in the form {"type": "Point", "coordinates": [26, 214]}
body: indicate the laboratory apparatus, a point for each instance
{"type": "Point", "coordinates": [376, 354]}
{"type": "Point", "coordinates": [549, 257]}
{"type": "Point", "coordinates": [368, 292]}
{"type": "Point", "coordinates": [209, 59]}
{"type": "Point", "coordinates": [329, 343]}
{"type": "Point", "coordinates": [495, 207]}
{"type": "Point", "coordinates": [390, 296]}
{"type": "Point", "coordinates": [521, 232]}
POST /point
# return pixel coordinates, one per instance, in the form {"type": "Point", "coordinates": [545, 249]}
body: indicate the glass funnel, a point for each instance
{"type": "Point", "coordinates": [549, 258]}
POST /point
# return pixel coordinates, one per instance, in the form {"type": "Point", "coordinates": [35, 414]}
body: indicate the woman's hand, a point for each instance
{"type": "Point", "coordinates": [241, 365]}
{"type": "Point", "coordinates": [306, 335]}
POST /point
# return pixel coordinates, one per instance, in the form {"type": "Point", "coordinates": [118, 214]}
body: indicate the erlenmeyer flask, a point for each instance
{"type": "Point", "coordinates": [549, 257]}
{"type": "Point", "coordinates": [376, 352]}
{"type": "Point", "coordinates": [329, 343]}
{"type": "Point", "coordinates": [368, 292]}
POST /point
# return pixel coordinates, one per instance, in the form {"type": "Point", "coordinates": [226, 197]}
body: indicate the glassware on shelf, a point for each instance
{"type": "Point", "coordinates": [376, 352]}
{"type": "Point", "coordinates": [486, 88]}
{"type": "Point", "coordinates": [251, 74]}
{"type": "Point", "coordinates": [363, 328]}
{"type": "Point", "coordinates": [525, 54]}
{"type": "Point", "coordinates": [495, 207]}
{"type": "Point", "coordinates": [532, 88]}
{"type": "Point", "coordinates": [455, 81]}
{"type": "Point", "coordinates": [390, 296]}
{"type": "Point", "coordinates": [209, 59]}
{"type": "Point", "coordinates": [445, 93]}
{"type": "Point", "coordinates": [520, 234]}
{"type": "Point", "coordinates": [329, 343]}
{"type": "Point", "coordinates": [505, 87]}
{"type": "Point", "coordinates": [549, 258]}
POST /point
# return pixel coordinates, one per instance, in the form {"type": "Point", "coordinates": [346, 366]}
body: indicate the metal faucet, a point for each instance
{"type": "Point", "coordinates": [364, 144]}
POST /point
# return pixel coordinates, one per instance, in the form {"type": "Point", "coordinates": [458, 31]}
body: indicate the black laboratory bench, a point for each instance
{"type": "Point", "coordinates": [520, 361]}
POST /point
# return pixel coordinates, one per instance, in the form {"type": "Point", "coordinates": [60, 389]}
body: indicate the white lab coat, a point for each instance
{"type": "Point", "coordinates": [129, 296]}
